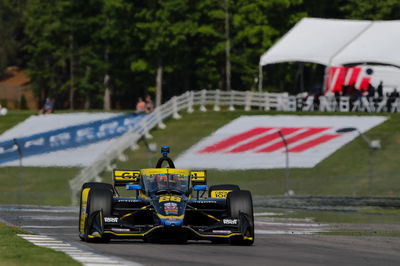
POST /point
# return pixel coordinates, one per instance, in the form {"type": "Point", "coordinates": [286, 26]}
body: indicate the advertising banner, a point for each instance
{"type": "Point", "coordinates": [261, 142]}
{"type": "Point", "coordinates": [66, 138]}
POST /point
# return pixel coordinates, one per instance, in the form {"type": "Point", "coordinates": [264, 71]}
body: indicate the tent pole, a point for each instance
{"type": "Point", "coordinates": [260, 78]}
{"type": "Point", "coordinates": [325, 84]}
{"type": "Point", "coordinates": [302, 77]}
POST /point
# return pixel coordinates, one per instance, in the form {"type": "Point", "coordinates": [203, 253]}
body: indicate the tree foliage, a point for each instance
{"type": "Point", "coordinates": [81, 50]}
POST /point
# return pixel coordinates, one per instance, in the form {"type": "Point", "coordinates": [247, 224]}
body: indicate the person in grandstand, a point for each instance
{"type": "Point", "coordinates": [140, 106]}
{"type": "Point", "coordinates": [149, 104]}
{"type": "Point", "coordinates": [48, 107]}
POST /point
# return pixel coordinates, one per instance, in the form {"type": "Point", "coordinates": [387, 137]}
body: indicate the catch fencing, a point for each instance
{"type": "Point", "coordinates": [216, 98]}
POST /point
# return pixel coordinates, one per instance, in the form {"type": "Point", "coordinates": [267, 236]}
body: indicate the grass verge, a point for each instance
{"type": "Point", "coordinates": [36, 185]}
{"type": "Point", "coordinates": [17, 251]}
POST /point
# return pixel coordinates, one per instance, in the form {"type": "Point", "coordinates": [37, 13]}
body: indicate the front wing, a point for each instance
{"type": "Point", "coordinates": [100, 227]}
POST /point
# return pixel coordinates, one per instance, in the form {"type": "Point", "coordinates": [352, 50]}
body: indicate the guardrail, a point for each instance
{"type": "Point", "coordinates": [216, 98]}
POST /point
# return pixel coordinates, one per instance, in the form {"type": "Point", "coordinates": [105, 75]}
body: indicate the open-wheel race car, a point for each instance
{"type": "Point", "coordinates": [167, 204]}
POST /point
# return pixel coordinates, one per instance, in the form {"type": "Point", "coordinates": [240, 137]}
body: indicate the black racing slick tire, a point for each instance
{"type": "Point", "coordinates": [90, 185]}
{"type": "Point", "coordinates": [223, 187]}
{"type": "Point", "coordinates": [240, 206]}
{"type": "Point", "coordinates": [99, 198]}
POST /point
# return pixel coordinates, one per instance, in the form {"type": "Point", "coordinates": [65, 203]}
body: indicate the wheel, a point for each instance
{"type": "Point", "coordinates": [240, 205]}
{"type": "Point", "coordinates": [86, 188]}
{"type": "Point", "coordinates": [223, 187]}
{"type": "Point", "coordinates": [99, 197]}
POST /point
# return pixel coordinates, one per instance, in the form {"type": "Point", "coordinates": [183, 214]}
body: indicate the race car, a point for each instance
{"type": "Point", "coordinates": [165, 204]}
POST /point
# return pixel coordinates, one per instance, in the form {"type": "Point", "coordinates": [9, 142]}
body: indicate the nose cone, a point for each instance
{"type": "Point", "coordinates": [172, 222]}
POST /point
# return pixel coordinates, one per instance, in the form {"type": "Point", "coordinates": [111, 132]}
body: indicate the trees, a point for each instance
{"type": "Point", "coordinates": [106, 53]}
{"type": "Point", "coordinates": [11, 34]}
{"type": "Point", "coordinates": [257, 24]}
{"type": "Point", "coordinates": [373, 10]}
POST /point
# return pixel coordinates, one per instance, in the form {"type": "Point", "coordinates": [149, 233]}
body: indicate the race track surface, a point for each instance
{"type": "Point", "coordinates": [276, 244]}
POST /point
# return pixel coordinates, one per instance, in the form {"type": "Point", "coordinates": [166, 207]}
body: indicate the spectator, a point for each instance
{"type": "Point", "coordinates": [371, 91]}
{"type": "Point", "coordinates": [141, 106]}
{"type": "Point", "coordinates": [379, 89]}
{"type": "Point", "coordinates": [48, 107]}
{"type": "Point", "coordinates": [149, 104]}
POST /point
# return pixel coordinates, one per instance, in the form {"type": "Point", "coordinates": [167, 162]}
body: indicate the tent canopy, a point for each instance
{"type": "Point", "coordinates": [338, 42]}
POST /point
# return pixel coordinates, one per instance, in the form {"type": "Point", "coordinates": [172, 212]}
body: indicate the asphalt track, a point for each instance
{"type": "Point", "coordinates": [276, 243]}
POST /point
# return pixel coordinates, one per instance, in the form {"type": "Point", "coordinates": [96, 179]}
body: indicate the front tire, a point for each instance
{"type": "Point", "coordinates": [240, 206]}
{"type": "Point", "coordinates": [89, 186]}
{"type": "Point", "coordinates": [99, 199]}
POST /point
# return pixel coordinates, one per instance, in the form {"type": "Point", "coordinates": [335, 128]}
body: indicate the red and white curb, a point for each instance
{"type": "Point", "coordinates": [87, 258]}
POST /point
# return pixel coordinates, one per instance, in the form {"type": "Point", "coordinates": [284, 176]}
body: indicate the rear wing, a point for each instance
{"type": "Point", "coordinates": [198, 177]}
{"type": "Point", "coordinates": [124, 177]}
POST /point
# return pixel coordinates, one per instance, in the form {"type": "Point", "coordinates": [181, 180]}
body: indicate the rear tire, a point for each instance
{"type": "Point", "coordinates": [100, 198]}
{"type": "Point", "coordinates": [223, 187]}
{"type": "Point", "coordinates": [240, 203]}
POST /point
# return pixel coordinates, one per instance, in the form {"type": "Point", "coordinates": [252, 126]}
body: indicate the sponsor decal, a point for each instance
{"type": "Point", "coordinates": [205, 201]}
{"type": "Point", "coordinates": [111, 219]}
{"type": "Point", "coordinates": [265, 142]}
{"type": "Point", "coordinates": [170, 208]}
{"type": "Point", "coordinates": [128, 200]}
{"type": "Point", "coordinates": [227, 232]}
{"type": "Point", "coordinates": [126, 175]}
{"type": "Point", "coordinates": [120, 229]}
{"type": "Point", "coordinates": [230, 221]}
{"type": "Point", "coordinates": [221, 194]}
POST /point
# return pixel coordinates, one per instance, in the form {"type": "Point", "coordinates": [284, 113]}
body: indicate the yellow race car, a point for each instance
{"type": "Point", "coordinates": [166, 204]}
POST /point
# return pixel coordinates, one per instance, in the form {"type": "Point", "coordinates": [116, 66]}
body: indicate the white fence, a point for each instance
{"type": "Point", "coordinates": [217, 98]}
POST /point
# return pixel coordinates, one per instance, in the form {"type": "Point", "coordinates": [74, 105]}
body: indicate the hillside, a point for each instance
{"type": "Point", "coordinates": [346, 172]}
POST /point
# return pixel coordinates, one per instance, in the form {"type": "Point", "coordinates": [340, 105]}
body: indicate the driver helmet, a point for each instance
{"type": "Point", "coordinates": [161, 179]}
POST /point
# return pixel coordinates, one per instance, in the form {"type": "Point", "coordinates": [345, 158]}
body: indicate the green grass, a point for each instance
{"type": "Point", "coordinates": [15, 250]}
{"type": "Point", "coordinates": [36, 185]}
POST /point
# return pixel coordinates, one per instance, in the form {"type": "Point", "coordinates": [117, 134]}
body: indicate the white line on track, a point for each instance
{"type": "Point", "coordinates": [290, 224]}
{"type": "Point", "coordinates": [259, 214]}
{"type": "Point", "coordinates": [87, 258]}
{"type": "Point", "coordinates": [47, 217]}
{"type": "Point", "coordinates": [45, 210]}
{"type": "Point", "coordinates": [286, 232]}
{"type": "Point", "coordinates": [47, 226]}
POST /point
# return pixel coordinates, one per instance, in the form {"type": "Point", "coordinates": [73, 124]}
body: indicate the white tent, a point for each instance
{"type": "Point", "coordinates": [334, 42]}
{"type": "Point", "coordinates": [380, 43]}
{"type": "Point", "coordinates": [314, 40]}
